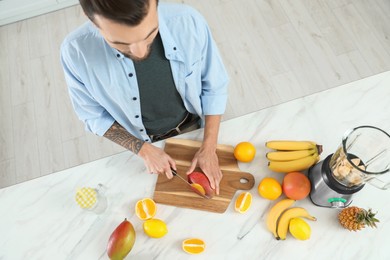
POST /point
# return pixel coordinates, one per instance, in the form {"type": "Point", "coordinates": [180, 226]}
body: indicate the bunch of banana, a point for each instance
{"type": "Point", "coordinates": [290, 156]}
{"type": "Point", "coordinates": [279, 217]}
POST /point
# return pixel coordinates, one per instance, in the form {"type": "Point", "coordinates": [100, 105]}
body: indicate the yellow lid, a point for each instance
{"type": "Point", "coordinates": [86, 197]}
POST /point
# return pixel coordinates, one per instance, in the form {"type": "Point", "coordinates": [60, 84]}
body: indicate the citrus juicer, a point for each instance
{"type": "Point", "coordinates": [362, 157]}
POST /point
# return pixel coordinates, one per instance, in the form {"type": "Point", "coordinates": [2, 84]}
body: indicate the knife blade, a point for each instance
{"type": "Point", "coordinates": [181, 178]}
{"type": "Point", "coordinates": [177, 175]}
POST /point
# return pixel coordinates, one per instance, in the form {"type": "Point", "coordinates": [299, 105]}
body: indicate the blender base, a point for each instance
{"type": "Point", "coordinates": [325, 190]}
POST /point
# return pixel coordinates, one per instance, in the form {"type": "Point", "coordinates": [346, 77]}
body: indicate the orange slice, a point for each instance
{"type": "Point", "coordinates": [198, 189]}
{"type": "Point", "coordinates": [243, 202]}
{"type": "Point", "coordinates": [193, 246]}
{"type": "Point", "coordinates": [145, 209]}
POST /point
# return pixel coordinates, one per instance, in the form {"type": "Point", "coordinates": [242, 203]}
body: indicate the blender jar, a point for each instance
{"type": "Point", "coordinates": [363, 156]}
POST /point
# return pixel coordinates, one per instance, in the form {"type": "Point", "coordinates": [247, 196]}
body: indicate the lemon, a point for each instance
{"type": "Point", "coordinates": [299, 229]}
{"type": "Point", "coordinates": [155, 228]}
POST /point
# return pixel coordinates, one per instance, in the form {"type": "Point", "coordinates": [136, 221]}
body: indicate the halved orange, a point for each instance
{"type": "Point", "coordinates": [145, 209]}
{"type": "Point", "coordinates": [243, 202]}
{"type": "Point", "coordinates": [193, 246]}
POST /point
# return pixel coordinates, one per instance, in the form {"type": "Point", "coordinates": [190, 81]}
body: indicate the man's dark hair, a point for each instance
{"type": "Point", "coordinates": [128, 12]}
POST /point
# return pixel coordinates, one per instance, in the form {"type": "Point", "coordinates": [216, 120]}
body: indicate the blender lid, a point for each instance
{"type": "Point", "coordinates": [384, 151]}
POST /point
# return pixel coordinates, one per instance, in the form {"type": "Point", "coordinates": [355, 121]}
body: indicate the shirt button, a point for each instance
{"type": "Point", "coordinates": [174, 48]}
{"type": "Point", "coordinates": [134, 98]}
{"type": "Point", "coordinates": [137, 116]}
{"type": "Point", "coordinates": [130, 74]}
{"type": "Point", "coordinates": [146, 140]}
{"type": "Point", "coordinates": [118, 55]}
{"type": "Point", "coordinates": [141, 130]}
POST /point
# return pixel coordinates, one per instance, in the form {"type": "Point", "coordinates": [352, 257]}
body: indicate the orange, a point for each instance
{"type": "Point", "coordinates": [193, 246]}
{"type": "Point", "coordinates": [243, 202]}
{"type": "Point", "coordinates": [270, 188]}
{"type": "Point", "coordinates": [244, 152]}
{"type": "Point", "coordinates": [145, 209]}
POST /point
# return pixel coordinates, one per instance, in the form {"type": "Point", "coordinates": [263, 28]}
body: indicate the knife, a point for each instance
{"type": "Point", "coordinates": [181, 178]}
{"type": "Point", "coordinates": [248, 226]}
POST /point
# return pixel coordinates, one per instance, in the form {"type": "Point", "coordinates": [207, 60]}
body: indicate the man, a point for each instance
{"type": "Point", "coordinates": [142, 71]}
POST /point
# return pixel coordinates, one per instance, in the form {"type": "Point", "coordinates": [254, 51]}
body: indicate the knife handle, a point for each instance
{"type": "Point", "coordinates": [173, 172]}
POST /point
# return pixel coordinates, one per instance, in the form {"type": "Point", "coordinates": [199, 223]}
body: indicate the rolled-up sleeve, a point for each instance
{"type": "Point", "coordinates": [96, 119]}
{"type": "Point", "coordinates": [215, 79]}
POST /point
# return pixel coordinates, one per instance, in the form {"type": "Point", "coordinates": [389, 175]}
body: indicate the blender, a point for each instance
{"type": "Point", "coordinates": [362, 157]}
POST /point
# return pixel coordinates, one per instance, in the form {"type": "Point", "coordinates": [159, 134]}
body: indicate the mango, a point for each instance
{"type": "Point", "coordinates": [121, 241]}
{"type": "Point", "coordinates": [200, 179]}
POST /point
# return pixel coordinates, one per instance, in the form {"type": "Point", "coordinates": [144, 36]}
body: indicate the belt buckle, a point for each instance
{"type": "Point", "coordinates": [170, 133]}
{"type": "Point", "coordinates": [173, 132]}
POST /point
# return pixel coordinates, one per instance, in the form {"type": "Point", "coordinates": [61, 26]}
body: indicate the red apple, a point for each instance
{"type": "Point", "coordinates": [199, 178]}
{"type": "Point", "coordinates": [121, 241]}
{"type": "Point", "coordinates": [296, 185]}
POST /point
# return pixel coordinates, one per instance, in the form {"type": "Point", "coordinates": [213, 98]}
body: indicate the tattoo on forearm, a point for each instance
{"type": "Point", "coordinates": [119, 135]}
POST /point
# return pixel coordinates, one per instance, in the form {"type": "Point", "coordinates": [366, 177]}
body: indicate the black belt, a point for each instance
{"type": "Point", "coordinates": [188, 121]}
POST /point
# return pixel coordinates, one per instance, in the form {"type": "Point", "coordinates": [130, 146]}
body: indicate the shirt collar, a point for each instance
{"type": "Point", "coordinates": [171, 49]}
{"type": "Point", "coordinates": [117, 53]}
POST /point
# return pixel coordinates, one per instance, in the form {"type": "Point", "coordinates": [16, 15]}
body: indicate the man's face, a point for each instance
{"type": "Point", "coordinates": [133, 41]}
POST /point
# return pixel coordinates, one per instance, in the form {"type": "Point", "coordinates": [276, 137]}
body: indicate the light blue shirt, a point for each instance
{"type": "Point", "coordinates": [103, 83]}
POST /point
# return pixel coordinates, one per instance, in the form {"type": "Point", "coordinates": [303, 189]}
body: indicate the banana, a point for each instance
{"type": "Point", "coordinates": [286, 145]}
{"type": "Point", "coordinates": [294, 165]}
{"type": "Point", "coordinates": [289, 155]}
{"type": "Point", "coordinates": [275, 212]}
{"type": "Point", "coordinates": [285, 220]}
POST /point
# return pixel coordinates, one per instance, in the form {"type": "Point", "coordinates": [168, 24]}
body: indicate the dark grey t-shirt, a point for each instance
{"type": "Point", "coordinates": [161, 105]}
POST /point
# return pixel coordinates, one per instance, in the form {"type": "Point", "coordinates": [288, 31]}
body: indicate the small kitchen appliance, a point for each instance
{"type": "Point", "coordinates": [362, 157]}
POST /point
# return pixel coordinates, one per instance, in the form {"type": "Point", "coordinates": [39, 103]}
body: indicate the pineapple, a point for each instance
{"type": "Point", "coordinates": [354, 218]}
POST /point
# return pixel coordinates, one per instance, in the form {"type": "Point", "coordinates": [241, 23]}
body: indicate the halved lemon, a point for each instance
{"type": "Point", "coordinates": [193, 246]}
{"type": "Point", "coordinates": [145, 209]}
{"type": "Point", "coordinates": [86, 197]}
{"type": "Point", "coordinates": [243, 202]}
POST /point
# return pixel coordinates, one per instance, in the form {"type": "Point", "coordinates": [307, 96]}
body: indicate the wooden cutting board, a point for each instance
{"type": "Point", "coordinates": [175, 192]}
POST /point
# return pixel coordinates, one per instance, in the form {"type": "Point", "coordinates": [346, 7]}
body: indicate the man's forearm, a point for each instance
{"type": "Point", "coordinates": [119, 135]}
{"type": "Point", "coordinates": [211, 129]}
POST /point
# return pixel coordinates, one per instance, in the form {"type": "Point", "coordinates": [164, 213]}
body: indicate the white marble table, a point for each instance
{"type": "Point", "coordinates": [40, 219]}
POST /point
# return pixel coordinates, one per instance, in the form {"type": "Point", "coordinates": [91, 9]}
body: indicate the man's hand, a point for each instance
{"type": "Point", "coordinates": [156, 160]}
{"type": "Point", "coordinates": [207, 160]}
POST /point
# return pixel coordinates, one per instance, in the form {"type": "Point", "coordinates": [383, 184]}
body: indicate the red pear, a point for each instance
{"type": "Point", "coordinates": [199, 178]}
{"type": "Point", "coordinates": [121, 241]}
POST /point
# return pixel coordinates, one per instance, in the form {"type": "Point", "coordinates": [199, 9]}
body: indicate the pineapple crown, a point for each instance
{"type": "Point", "coordinates": [367, 217]}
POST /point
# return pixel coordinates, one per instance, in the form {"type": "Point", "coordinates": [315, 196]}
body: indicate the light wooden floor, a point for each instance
{"type": "Point", "coordinates": [275, 51]}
